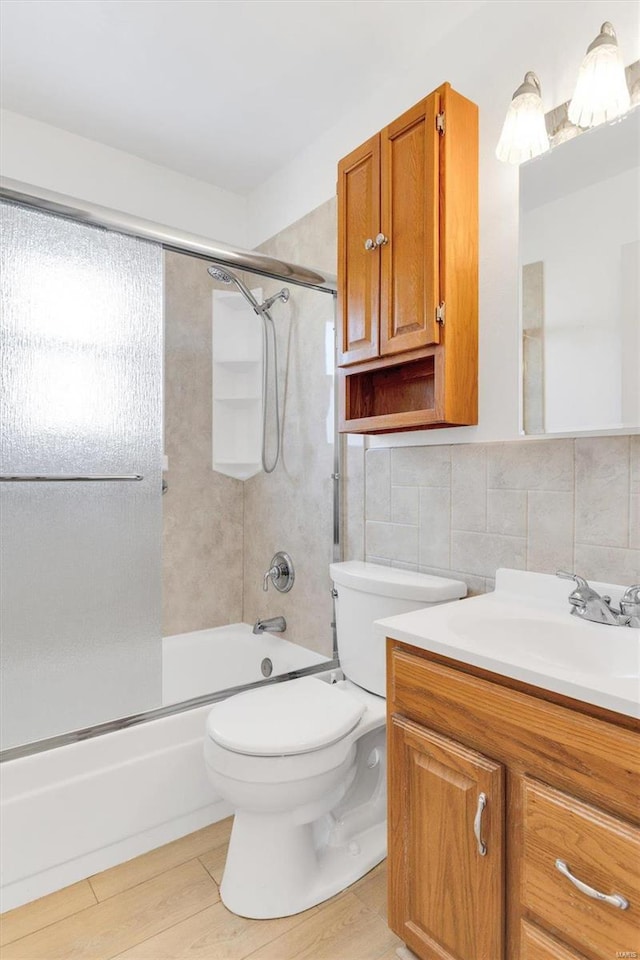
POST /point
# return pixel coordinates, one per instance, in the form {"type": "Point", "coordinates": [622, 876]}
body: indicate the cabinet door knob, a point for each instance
{"type": "Point", "coordinates": [369, 244]}
{"type": "Point", "coordinates": [615, 899]}
{"type": "Point", "coordinates": [477, 824]}
{"type": "Point", "coordinates": [381, 240]}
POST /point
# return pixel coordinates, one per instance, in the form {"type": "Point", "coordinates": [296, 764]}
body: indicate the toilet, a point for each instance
{"type": "Point", "coordinates": [303, 762]}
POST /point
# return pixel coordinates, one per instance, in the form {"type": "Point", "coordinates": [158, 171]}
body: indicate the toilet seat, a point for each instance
{"type": "Point", "coordinates": [287, 719]}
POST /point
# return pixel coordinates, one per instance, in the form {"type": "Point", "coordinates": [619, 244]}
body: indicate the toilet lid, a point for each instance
{"type": "Point", "coordinates": [296, 716]}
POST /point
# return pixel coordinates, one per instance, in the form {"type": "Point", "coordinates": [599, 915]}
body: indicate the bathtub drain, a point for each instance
{"type": "Point", "coordinates": [267, 667]}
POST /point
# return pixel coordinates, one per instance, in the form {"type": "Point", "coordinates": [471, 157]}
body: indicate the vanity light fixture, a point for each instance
{"type": "Point", "coordinates": [524, 134]}
{"type": "Point", "coordinates": [601, 92]}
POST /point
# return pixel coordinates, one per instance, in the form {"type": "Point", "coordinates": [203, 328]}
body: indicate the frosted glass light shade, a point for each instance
{"type": "Point", "coordinates": [524, 134]}
{"type": "Point", "coordinates": [601, 92]}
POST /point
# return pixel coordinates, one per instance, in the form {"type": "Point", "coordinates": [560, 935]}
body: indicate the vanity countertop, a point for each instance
{"type": "Point", "coordinates": [524, 630]}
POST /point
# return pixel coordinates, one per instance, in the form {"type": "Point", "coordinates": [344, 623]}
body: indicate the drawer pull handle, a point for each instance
{"type": "Point", "coordinates": [614, 898]}
{"type": "Point", "coordinates": [477, 824]}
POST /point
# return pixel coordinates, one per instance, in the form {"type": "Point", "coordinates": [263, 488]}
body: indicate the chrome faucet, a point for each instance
{"type": "Point", "coordinates": [587, 604]}
{"type": "Point", "coordinates": [273, 625]}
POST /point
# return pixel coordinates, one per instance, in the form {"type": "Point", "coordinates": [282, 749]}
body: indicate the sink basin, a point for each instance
{"type": "Point", "coordinates": [567, 643]}
{"type": "Point", "coordinates": [525, 630]}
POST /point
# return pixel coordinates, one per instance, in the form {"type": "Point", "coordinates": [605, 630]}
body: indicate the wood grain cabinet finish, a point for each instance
{"type": "Point", "coordinates": [570, 776]}
{"type": "Point", "coordinates": [450, 883]}
{"type": "Point", "coordinates": [408, 271]}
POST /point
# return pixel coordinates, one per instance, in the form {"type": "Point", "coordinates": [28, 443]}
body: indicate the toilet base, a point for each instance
{"type": "Point", "coordinates": [275, 869]}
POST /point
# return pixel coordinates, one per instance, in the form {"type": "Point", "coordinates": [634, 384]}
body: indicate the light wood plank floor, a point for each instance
{"type": "Point", "coordinates": [165, 905]}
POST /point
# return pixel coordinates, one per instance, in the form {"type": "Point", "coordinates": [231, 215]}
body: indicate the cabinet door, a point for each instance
{"type": "Point", "coordinates": [359, 261]}
{"type": "Point", "coordinates": [445, 896]}
{"type": "Point", "coordinates": [410, 222]}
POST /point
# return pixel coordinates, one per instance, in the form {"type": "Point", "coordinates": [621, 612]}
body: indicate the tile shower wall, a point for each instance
{"type": "Point", "coordinates": [203, 510]}
{"type": "Point", "coordinates": [533, 505]}
{"type": "Point", "coordinates": [291, 509]}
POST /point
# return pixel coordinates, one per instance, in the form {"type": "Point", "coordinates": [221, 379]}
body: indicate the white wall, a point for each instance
{"type": "Point", "coordinates": [485, 58]}
{"type": "Point", "coordinates": [47, 156]}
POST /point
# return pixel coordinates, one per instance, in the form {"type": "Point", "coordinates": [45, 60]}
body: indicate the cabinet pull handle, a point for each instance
{"type": "Point", "coordinates": [477, 825]}
{"type": "Point", "coordinates": [369, 244]}
{"type": "Point", "coordinates": [614, 898]}
{"type": "Point", "coordinates": [381, 240]}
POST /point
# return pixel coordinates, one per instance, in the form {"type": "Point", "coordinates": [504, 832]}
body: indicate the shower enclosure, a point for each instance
{"type": "Point", "coordinates": [107, 381]}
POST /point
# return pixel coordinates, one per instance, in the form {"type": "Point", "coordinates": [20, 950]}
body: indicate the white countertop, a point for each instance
{"type": "Point", "coordinates": [524, 630]}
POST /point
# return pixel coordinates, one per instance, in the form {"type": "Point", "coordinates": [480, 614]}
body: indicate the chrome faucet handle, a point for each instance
{"type": "Point", "coordinates": [630, 601]}
{"type": "Point", "coordinates": [572, 576]}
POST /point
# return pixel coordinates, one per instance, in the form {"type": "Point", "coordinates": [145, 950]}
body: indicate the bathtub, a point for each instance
{"type": "Point", "coordinates": [196, 663]}
{"type": "Point", "coordinates": [74, 810]}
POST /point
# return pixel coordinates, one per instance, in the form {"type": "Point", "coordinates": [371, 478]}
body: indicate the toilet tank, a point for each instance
{"type": "Point", "coordinates": [368, 592]}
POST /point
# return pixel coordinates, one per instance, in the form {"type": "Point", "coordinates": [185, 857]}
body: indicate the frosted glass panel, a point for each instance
{"type": "Point", "coordinates": [81, 394]}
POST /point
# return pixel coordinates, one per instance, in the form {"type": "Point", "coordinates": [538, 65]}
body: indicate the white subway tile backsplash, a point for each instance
{"type": "Point", "coordinates": [507, 512]}
{"type": "Point", "coordinates": [602, 491]}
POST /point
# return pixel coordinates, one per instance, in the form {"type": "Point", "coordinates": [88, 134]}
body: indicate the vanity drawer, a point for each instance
{"type": "Point", "coordinates": [592, 758]}
{"type": "Point", "coordinates": [536, 945]}
{"type": "Point", "coordinates": [600, 850]}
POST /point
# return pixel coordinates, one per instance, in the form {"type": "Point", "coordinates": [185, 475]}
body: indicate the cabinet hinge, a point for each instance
{"type": "Point", "coordinates": [440, 123]}
{"type": "Point", "coordinates": [440, 313]}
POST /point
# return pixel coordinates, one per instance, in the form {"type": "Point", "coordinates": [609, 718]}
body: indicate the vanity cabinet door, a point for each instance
{"type": "Point", "coordinates": [446, 846]}
{"type": "Point", "coordinates": [358, 254]}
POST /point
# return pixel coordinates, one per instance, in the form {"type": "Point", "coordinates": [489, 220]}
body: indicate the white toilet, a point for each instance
{"type": "Point", "coordinates": [303, 761]}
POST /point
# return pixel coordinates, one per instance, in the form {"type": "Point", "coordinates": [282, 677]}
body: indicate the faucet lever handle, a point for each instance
{"type": "Point", "coordinates": [581, 582]}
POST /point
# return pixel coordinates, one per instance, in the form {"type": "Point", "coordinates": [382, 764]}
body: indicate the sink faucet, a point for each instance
{"type": "Point", "coordinates": [273, 624]}
{"type": "Point", "coordinates": [587, 604]}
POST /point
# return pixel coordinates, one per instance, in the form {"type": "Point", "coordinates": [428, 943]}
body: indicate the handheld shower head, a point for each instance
{"type": "Point", "coordinates": [218, 274]}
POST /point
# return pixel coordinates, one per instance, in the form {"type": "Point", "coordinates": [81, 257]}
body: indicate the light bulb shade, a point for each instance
{"type": "Point", "coordinates": [524, 134]}
{"type": "Point", "coordinates": [601, 92]}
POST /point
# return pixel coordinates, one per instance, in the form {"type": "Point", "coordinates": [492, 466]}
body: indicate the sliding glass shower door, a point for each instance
{"type": "Point", "coordinates": [81, 459]}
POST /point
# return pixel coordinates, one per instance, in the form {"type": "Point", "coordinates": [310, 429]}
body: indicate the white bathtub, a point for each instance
{"type": "Point", "coordinates": [72, 811]}
{"type": "Point", "coordinates": [196, 663]}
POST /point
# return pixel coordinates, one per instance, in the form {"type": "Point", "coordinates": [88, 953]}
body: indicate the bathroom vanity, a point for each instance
{"type": "Point", "coordinates": [514, 822]}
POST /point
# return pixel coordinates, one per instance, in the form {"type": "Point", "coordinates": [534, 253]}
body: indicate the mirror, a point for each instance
{"type": "Point", "coordinates": [580, 288]}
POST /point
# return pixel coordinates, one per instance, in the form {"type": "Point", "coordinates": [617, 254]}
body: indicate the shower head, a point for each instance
{"type": "Point", "coordinates": [269, 302]}
{"type": "Point", "coordinates": [218, 274]}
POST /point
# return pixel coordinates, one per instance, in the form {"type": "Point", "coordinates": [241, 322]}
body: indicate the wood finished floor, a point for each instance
{"type": "Point", "coordinates": [165, 905]}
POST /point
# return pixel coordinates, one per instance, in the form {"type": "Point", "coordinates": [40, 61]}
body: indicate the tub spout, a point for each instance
{"type": "Point", "coordinates": [273, 625]}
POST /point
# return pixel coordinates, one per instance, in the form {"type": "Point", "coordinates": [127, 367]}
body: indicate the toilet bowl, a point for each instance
{"type": "Point", "coordinates": [303, 762]}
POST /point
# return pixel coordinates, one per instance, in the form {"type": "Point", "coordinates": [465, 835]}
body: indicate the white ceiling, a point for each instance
{"type": "Point", "coordinates": [226, 91]}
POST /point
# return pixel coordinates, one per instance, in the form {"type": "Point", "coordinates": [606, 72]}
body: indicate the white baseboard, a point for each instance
{"type": "Point", "coordinates": [72, 812]}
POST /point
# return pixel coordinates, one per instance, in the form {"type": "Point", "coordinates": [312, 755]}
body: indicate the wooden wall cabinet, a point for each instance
{"type": "Point", "coordinates": [561, 783]}
{"type": "Point", "coordinates": [408, 271]}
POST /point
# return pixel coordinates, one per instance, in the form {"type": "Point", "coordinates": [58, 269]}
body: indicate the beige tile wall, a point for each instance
{"type": "Point", "coordinates": [292, 508]}
{"type": "Point", "coordinates": [220, 533]}
{"type": "Point", "coordinates": [202, 510]}
{"type": "Point", "coordinates": [532, 505]}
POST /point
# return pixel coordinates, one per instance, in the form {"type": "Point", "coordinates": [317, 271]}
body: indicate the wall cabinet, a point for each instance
{"type": "Point", "coordinates": [407, 271]}
{"type": "Point", "coordinates": [547, 866]}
